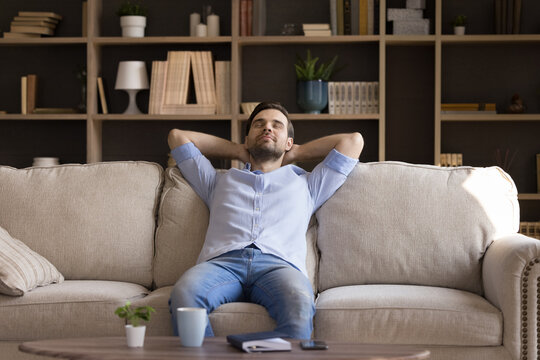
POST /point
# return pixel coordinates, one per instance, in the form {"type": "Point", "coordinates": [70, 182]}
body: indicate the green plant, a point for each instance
{"type": "Point", "coordinates": [131, 9]}
{"type": "Point", "coordinates": [306, 70]}
{"type": "Point", "coordinates": [460, 20]}
{"type": "Point", "coordinates": [134, 316]}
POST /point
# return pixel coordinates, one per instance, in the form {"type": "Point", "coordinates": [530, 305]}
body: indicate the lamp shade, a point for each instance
{"type": "Point", "coordinates": [131, 75]}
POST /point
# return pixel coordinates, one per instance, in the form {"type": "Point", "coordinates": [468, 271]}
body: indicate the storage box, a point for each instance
{"type": "Point", "coordinates": [404, 14]}
{"type": "Point", "coordinates": [411, 27]}
{"type": "Point", "coordinates": [416, 4]}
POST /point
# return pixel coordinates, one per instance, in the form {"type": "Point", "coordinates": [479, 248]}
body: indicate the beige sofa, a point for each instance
{"type": "Point", "coordinates": [401, 254]}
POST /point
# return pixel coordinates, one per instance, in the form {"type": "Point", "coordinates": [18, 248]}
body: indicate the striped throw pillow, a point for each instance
{"type": "Point", "coordinates": [22, 269]}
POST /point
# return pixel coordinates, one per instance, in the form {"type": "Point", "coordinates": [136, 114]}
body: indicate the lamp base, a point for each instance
{"type": "Point", "coordinates": [132, 107]}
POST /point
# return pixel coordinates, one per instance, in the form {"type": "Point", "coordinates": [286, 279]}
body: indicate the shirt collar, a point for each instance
{"type": "Point", "coordinates": [248, 168]}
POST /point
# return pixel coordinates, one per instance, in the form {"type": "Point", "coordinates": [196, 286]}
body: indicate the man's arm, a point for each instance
{"type": "Point", "coordinates": [208, 145]}
{"type": "Point", "coordinates": [350, 145]}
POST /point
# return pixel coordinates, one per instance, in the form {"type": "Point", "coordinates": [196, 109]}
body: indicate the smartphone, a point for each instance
{"type": "Point", "coordinates": [313, 345]}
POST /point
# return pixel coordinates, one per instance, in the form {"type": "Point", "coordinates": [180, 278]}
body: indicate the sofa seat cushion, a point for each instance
{"type": "Point", "coordinates": [72, 308]}
{"type": "Point", "coordinates": [407, 314]}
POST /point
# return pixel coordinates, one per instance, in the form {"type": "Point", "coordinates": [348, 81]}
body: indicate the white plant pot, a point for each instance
{"type": "Point", "coordinates": [133, 26]}
{"type": "Point", "coordinates": [135, 335]}
{"type": "Point", "coordinates": [459, 30]}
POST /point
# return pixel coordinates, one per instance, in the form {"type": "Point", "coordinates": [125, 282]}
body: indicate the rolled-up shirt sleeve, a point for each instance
{"type": "Point", "coordinates": [328, 176]}
{"type": "Point", "coordinates": [196, 169]}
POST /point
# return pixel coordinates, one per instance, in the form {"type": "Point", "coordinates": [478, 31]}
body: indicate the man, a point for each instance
{"type": "Point", "coordinates": [255, 246]}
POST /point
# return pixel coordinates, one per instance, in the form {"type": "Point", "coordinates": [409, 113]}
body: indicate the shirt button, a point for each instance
{"type": "Point", "coordinates": [257, 209]}
{"type": "Point", "coordinates": [256, 225]}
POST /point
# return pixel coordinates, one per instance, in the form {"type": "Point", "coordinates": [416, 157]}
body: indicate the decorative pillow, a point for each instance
{"type": "Point", "coordinates": [22, 269]}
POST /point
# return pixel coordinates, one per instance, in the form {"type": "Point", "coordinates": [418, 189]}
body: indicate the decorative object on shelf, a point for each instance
{"type": "Point", "coordinates": [506, 162]}
{"type": "Point", "coordinates": [132, 19]}
{"type": "Point", "coordinates": [516, 105]}
{"type": "Point", "coordinates": [409, 20]}
{"type": "Point", "coordinates": [45, 161]}
{"type": "Point", "coordinates": [194, 20]}
{"type": "Point", "coordinates": [202, 30]}
{"type": "Point", "coordinates": [312, 83]}
{"type": "Point", "coordinates": [33, 24]}
{"type": "Point", "coordinates": [459, 23]}
{"type": "Point", "coordinates": [207, 25]}
{"type": "Point", "coordinates": [81, 76]}
{"type": "Point", "coordinates": [134, 331]}
{"type": "Point", "coordinates": [290, 30]}
{"type": "Point", "coordinates": [131, 77]}
{"type": "Point", "coordinates": [212, 22]}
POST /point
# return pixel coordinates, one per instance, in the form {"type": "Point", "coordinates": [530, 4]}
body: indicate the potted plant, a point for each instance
{"type": "Point", "coordinates": [312, 82]}
{"type": "Point", "coordinates": [134, 331]}
{"type": "Point", "coordinates": [132, 19]}
{"type": "Point", "coordinates": [459, 23]}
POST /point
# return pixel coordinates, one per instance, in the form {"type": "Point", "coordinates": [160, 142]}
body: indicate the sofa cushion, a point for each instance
{"type": "Point", "coordinates": [182, 225]}
{"type": "Point", "coordinates": [407, 314]}
{"type": "Point", "coordinates": [398, 223]}
{"type": "Point", "coordinates": [84, 308]}
{"type": "Point", "coordinates": [101, 216]}
{"type": "Point", "coordinates": [21, 269]}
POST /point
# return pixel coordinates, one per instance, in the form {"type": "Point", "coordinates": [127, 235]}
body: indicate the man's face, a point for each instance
{"type": "Point", "coordinates": [267, 138]}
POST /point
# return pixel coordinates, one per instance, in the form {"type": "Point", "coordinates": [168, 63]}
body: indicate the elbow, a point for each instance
{"type": "Point", "coordinates": [175, 138]}
{"type": "Point", "coordinates": [357, 140]}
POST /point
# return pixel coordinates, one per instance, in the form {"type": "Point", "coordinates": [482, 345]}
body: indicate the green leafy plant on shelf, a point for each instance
{"type": "Point", "coordinates": [460, 20]}
{"type": "Point", "coordinates": [134, 316]}
{"type": "Point", "coordinates": [307, 70]}
{"type": "Point", "coordinates": [129, 8]}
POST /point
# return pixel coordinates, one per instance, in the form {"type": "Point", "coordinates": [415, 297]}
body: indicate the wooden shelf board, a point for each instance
{"type": "Point", "coordinates": [147, 117]}
{"type": "Point", "coordinates": [532, 196]}
{"type": "Point", "coordinates": [43, 117]}
{"type": "Point", "coordinates": [410, 39]}
{"type": "Point", "coordinates": [45, 41]}
{"type": "Point", "coordinates": [116, 40]}
{"type": "Point", "coordinates": [489, 39]}
{"type": "Point", "coordinates": [310, 117]}
{"type": "Point", "coordinates": [490, 117]}
{"type": "Point", "coordinates": [273, 40]}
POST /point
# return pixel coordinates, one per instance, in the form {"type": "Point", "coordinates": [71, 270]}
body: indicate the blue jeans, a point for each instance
{"type": "Point", "coordinates": [248, 275]}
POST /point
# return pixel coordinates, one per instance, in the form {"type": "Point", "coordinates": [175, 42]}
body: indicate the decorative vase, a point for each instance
{"type": "Point", "coordinates": [459, 30]}
{"type": "Point", "coordinates": [312, 96]}
{"type": "Point", "coordinates": [135, 335]}
{"type": "Point", "coordinates": [133, 25]}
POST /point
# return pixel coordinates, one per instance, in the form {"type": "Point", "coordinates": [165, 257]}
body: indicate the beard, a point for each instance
{"type": "Point", "coordinates": [265, 153]}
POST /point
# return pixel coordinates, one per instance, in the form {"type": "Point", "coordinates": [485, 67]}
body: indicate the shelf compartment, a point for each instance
{"type": "Point", "coordinates": [490, 117]}
{"type": "Point", "coordinates": [43, 117]}
{"type": "Point", "coordinates": [116, 40]}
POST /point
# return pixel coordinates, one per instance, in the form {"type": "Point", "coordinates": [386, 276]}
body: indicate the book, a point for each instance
{"type": "Point", "coordinates": [327, 32]}
{"type": "Point", "coordinates": [177, 80]}
{"type": "Point", "coordinates": [223, 87]}
{"type": "Point", "coordinates": [36, 18]}
{"type": "Point", "coordinates": [102, 99]}
{"type": "Point", "coordinates": [333, 17]}
{"type": "Point", "coordinates": [31, 93]}
{"type": "Point", "coordinates": [259, 18]}
{"type": "Point", "coordinates": [8, 34]}
{"type": "Point", "coordinates": [24, 82]}
{"type": "Point", "coordinates": [34, 23]}
{"type": "Point", "coordinates": [260, 341]}
{"type": "Point", "coordinates": [157, 86]}
{"type": "Point", "coordinates": [32, 29]}
{"type": "Point", "coordinates": [315, 26]}
{"type": "Point", "coordinates": [55, 111]}
{"type": "Point", "coordinates": [48, 14]}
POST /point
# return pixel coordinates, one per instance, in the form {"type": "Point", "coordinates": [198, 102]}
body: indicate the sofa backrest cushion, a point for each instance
{"type": "Point", "coordinates": [182, 224]}
{"type": "Point", "coordinates": [399, 223]}
{"type": "Point", "coordinates": [94, 221]}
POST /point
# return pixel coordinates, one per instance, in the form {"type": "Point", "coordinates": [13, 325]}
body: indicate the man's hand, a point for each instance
{"type": "Point", "coordinates": [290, 156]}
{"type": "Point", "coordinates": [350, 145]}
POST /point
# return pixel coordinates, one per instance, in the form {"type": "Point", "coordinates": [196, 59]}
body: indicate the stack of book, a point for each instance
{"type": "Point", "coordinates": [468, 108]}
{"type": "Point", "coordinates": [252, 17]}
{"type": "Point", "coordinates": [353, 97]}
{"type": "Point", "coordinates": [409, 20]}
{"type": "Point", "coordinates": [316, 29]}
{"type": "Point", "coordinates": [451, 160]}
{"type": "Point", "coordinates": [354, 17]}
{"type": "Point", "coordinates": [170, 79]}
{"type": "Point", "coordinates": [33, 24]}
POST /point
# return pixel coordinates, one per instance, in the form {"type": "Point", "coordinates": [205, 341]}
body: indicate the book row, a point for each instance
{"type": "Point", "coordinates": [451, 160]}
{"type": "Point", "coordinates": [353, 97]}
{"type": "Point", "coordinates": [354, 17]}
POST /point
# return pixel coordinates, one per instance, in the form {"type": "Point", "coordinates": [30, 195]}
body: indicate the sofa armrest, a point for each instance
{"type": "Point", "coordinates": [511, 273]}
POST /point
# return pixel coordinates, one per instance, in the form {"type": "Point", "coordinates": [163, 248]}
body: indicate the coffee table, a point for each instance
{"type": "Point", "coordinates": [168, 347]}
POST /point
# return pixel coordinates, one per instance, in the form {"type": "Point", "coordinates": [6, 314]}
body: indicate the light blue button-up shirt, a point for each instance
{"type": "Point", "coordinates": [271, 210]}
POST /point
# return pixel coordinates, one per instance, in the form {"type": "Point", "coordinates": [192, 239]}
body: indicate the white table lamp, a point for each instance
{"type": "Point", "coordinates": [131, 77]}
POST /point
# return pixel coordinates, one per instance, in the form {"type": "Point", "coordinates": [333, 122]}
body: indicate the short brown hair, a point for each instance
{"type": "Point", "coordinates": [271, 105]}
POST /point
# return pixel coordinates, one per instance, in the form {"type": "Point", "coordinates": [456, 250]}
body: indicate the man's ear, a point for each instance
{"type": "Point", "coordinates": [290, 142]}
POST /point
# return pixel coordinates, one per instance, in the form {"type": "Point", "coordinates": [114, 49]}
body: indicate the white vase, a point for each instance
{"type": "Point", "coordinates": [135, 335]}
{"type": "Point", "coordinates": [133, 25]}
{"type": "Point", "coordinates": [459, 30]}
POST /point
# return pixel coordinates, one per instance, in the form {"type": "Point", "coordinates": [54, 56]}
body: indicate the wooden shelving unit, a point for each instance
{"type": "Point", "coordinates": [371, 56]}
